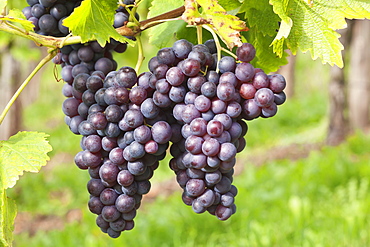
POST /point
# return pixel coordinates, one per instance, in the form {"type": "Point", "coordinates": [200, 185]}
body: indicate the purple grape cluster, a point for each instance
{"type": "Point", "coordinates": [210, 108]}
{"type": "Point", "coordinates": [127, 121]}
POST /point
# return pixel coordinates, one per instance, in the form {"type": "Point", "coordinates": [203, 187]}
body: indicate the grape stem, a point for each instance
{"type": "Point", "coordinates": [217, 42]}
{"type": "Point", "coordinates": [229, 52]}
{"type": "Point", "coordinates": [199, 35]}
{"type": "Point", "coordinates": [140, 57]}
{"type": "Point", "coordinates": [45, 60]}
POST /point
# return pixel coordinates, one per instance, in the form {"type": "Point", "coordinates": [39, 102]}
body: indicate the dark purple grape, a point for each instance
{"type": "Point", "coordinates": [202, 103]}
{"type": "Point", "coordinates": [244, 72]}
{"type": "Point", "coordinates": [108, 196]}
{"type": "Point", "coordinates": [47, 23]}
{"type": "Point", "coordinates": [223, 186]}
{"type": "Point", "coordinates": [269, 111]}
{"type": "Point", "coordinates": [193, 144]}
{"type": "Point", "coordinates": [161, 132]}
{"type": "Point", "coordinates": [198, 207]}
{"type": "Point", "coordinates": [223, 213]}
{"type": "Point", "coordinates": [215, 128]}
{"type": "Point", "coordinates": [190, 113]}
{"type": "Point", "coordinates": [110, 213]}
{"type": "Point", "coordinates": [58, 11]}
{"type": "Point", "coordinates": [182, 48]}
{"type": "Point", "coordinates": [227, 64]}
{"type": "Point", "coordinates": [119, 19]}
{"type": "Point", "coordinates": [37, 10]}
{"type": "Point", "coordinates": [277, 83]}
{"type": "Point", "coordinates": [95, 205]}
{"type": "Point", "coordinates": [195, 83]}
{"type": "Point", "coordinates": [79, 82]}
{"type": "Point", "coordinates": [211, 147]}
{"type": "Point", "coordinates": [260, 80]}
{"type": "Point", "coordinates": [142, 134]}
{"type": "Point", "coordinates": [174, 76]}
{"type": "Point", "coordinates": [195, 187]}
{"type": "Point", "coordinates": [250, 109]}
{"type": "Point", "coordinates": [93, 143]}
{"type": "Point", "coordinates": [149, 109]}
{"type": "Point", "coordinates": [264, 97]}
{"type": "Point", "coordinates": [190, 67]}
{"type": "Point", "coordinates": [70, 107]}
{"type": "Point", "coordinates": [104, 65]}
{"type": "Point", "coordinates": [125, 203]}
{"type": "Point", "coordinates": [218, 106]}
{"type": "Point", "coordinates": [133, 118]}
{"type": "Point", "coordinates": [117, 226]}
{"type": "Point", "coordinates": [207, 198]}
{"type": "Point", "coordinates": [279, 98]}
{"type": "Point", "coordinates": [247, 91]}
{"type": "Point", "coordinates": [177, 94]}
{"type": "Point", "coordinates": [143, 187]}
{"type": "Point", "coordinates": [225, 91]}
{"type": "Point", "coordinates": [137, 95]}
{"type": "Point", "coordinates": [246, 52]}
{"type": "Point", "coordinates": [108, 172]}
{"type": "Point", "coordinates": [208, 89]}
{"type": "Point", "coordinates": [166, 56]}
{"type": "Point", "coordinates": [126, 77]}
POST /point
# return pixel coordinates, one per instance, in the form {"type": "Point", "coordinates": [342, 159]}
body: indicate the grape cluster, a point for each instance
{"type": "Point", "coordinates": [48, 15]}
{"type": "Point", "coordinates": [127, 121]}
{"type": "Point", "coordinates": [210, 107]}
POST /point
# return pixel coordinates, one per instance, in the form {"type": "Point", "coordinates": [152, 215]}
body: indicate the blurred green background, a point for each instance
{"type": "Point", "coordinates": [293, 189]}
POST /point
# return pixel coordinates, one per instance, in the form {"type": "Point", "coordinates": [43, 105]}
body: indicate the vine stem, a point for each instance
{"type": "Point", "coordinates": [200, 34]}
{"type": "Point", "coordinates": [44, 61]}
{"type": "Point", "coordinates": [141, 57]}
{"type": "Point", "coordinates": [217, 42]}
{"type": "Point", "coordinates": [40, 40]}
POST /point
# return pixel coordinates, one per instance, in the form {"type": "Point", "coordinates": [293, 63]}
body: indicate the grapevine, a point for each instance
{"type": "Point", "coordinates": [194, 103]}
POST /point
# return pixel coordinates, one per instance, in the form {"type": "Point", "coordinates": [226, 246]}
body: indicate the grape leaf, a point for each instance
{"type": "Point", "coordinates": [163, 34]}
{"type": "Point", "coordinates": [230, 5]}
{"type": "Point", "coordinates": [260, 16]}
{"type": "Point", "coordinates": [312, 27]}
{"type": "Point", "coordinates": [25, 151]}
{"type": "Point", "coordinates": [93, 20]}
{"type": "Point", "coordinates": [228, 27]}
{"type": "Point", "coordinates": [17, 16]}
{"type": "Point", "coordinates": [8, 211]}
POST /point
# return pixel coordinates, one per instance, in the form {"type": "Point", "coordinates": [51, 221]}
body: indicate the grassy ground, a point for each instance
{"type": "Point", "coordinates": [299, 197]}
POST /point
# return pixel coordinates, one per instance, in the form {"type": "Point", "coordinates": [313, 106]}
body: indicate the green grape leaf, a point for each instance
{"type": "Point", "coordinates": [16, 16]}
{"type": "Point", "coordinates": [227, 27]}
{"type": "Point", "coordinates": [8, 211]}
{"type": "Point", "coordinates": [311, 27]}
{"type": "Point", "coordinates": [25, 151]}
{"type": "Point", "coordinates": [260, 16]}
{"type": "Point", "coordinates": [93, 20]}
{"type": "Point", "coordinates": [162, 35]}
